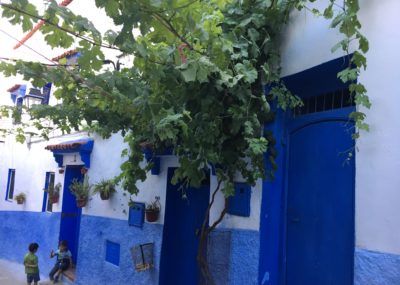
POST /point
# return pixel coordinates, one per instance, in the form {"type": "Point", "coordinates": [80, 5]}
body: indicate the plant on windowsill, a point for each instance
{"type": "Point", "coordinates": [54, 192]}
{"type": "Point", "coordinates": [105, 188]}
{"type": "Point", "coordinates": [20, 198]}
{"type": "Point", "coordinates": [153, 210]}
{"type": "Point", "coordinates": [81, 191]}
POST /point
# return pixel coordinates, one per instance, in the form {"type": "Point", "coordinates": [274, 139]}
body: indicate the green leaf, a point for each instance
{"type": "Point", "coordinates": [348, 74]}
{"type": "Point", "coordinates": [359, 60]}
{"type": "Point", "coordinates": [189, 73]}
{"type": "Point", "coordinates": [363, 43]}
{"type": "Point", "coordinates": [328, 12]}
{"type": "Point", "coordinates": [316, 12]}
{"type": "Point", "coordinates": [363, 100]}
{"type": "Point", "coordinates": [247, 71]}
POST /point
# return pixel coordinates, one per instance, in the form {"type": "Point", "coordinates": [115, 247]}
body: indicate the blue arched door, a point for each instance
{"type": "Point", "coordinates": [320, 200]}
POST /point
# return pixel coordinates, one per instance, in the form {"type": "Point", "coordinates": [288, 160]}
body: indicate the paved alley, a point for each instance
{"type": "Point", "coordinates": [12, 273]}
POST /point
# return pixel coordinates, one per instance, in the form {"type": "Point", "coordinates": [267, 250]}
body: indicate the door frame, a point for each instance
{"type": "Point", "coordinates": [79, 211]}
{"type": "Point", "coordinates": [307, 83]}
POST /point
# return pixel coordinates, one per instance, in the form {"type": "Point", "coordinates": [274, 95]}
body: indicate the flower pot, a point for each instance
{"type": "Point", "coordinates": [152, 215]}
{"type": "Point", "coordinates": [53, 199]}
{"type": "Point", "coordinates": [84, 170]}
{"type": "Point", "coordinates": [61, 170]}
{"type": "Point", "coordinates": [80, 203]}
{"type": "Point", "coordinates": [104, 196]}
{"type": "Point", "coordinates": [20, 201]}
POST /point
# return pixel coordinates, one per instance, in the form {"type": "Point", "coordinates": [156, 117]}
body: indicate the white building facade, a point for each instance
{"type": "Point", "coordinates": [324, 219]}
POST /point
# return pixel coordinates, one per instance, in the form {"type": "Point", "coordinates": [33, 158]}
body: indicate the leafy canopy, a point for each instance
{"type": "Point", "coordinates": [196, 84]}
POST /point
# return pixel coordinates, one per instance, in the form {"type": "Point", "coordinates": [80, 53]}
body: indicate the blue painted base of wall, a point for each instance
{"type": "Point", "coordinates": [18, 229]}
{"type": "Point", "coordinates": [92, 269]}
{"type": "Point", "coordinates": [376, 268]}
{"type": "Point", "coordinates": [233, 256]}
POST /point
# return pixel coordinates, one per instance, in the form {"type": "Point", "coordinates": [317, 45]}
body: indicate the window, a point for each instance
{"type": "Point", "coordinates": [325, 102]}
{"type": "Point", "coordinates": [239, 204]}
{"type": "Point", "coordinates": [10, 184]}
{"type": "Point", "coordinates": [112, 252]}
{"type": "Point", "coordinates": [49, 182]}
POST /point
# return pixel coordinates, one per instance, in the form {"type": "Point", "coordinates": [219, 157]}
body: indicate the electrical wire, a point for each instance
{"type": "Point", "coordinates": [35, 51]}
{"type": "Point", "coordinates": [92, 41]}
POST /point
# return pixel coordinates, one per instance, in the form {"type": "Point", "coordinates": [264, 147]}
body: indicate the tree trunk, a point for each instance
{"type": "Point", "coordinates": [207, 278]}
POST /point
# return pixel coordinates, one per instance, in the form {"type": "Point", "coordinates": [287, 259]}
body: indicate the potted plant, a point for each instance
{"type": "Point", "coordinates": [20, 198]}
{"type": "Point", "coordinates": [105, 188]}
{"type": "Point", "coordinates": [153, 210]}
{"type": "Point", "coordinates": [81, 191]}
{"type": "Point", "coordinates": [54, 192]}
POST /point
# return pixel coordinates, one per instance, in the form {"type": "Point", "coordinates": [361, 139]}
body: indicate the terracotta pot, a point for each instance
{"type": "Point", "coordinates": [61, 171]}
{"type": "Point", "coordinates": [80, 203]}
{"type": "Point", "coordinates": [20, 201]}
{"type": "Point", "coordinates": [152, 215]}
{"type": "Point", "coordinates": [104, 196]}
{"type": "Point", "coordinates": [53, 199]}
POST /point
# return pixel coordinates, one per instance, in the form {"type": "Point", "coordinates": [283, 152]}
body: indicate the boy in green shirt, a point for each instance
{"type": "Point", "coordinates": [32, 264]}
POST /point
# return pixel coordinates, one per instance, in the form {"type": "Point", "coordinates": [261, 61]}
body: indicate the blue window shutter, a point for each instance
{"type": "Point", "coordinates": [239, 204]}
{"type": "Point", "coordinates": [136, 214]}
{"type": "Point", "coordinates": [10, 184]}
{"type": "Point", "coordinates": [46, 184]}
{"type": "Point", "coordinates": [112, 252]}
{"type": "Point", "coordinates": [46, 93]}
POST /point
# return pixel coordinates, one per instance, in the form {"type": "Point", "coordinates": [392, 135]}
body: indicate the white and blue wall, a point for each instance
{"type": "Point", "coordinates": [107, 221]}
{"type": "Point", "coordinates": [307, 44]}
{"type": "Point", "coordinates": [234, 248]}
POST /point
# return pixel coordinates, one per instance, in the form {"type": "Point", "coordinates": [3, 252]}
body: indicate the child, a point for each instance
{"type": "Point", "coordinates": [63, 260]}
{"type": "Point", "coordinates": [32, 264]}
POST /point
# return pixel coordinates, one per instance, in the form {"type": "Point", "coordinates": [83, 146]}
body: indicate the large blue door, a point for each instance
{"type": "Point", "coordinates": [320, 200]}
{"type": "Point", "coordinates": [183, 220]}
{"type": "Point", "coordinates": [70, 213]}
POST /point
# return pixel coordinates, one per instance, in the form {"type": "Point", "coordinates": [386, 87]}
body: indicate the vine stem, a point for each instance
{"type": "Point", "coordinates": [204, 233]}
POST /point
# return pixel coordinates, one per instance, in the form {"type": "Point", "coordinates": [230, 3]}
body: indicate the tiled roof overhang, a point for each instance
{"type": "Point", "coordinates": [82, 146]}
{"type": "Point", "coordinates": [65, 54]}
{"type": "Point", "coordinates": [14, 88]}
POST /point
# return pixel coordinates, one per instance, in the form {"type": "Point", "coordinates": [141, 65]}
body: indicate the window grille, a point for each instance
{"type": "Point", "coordinates": [325, 102]}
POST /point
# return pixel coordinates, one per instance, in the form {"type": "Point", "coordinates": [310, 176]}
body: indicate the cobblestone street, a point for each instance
{"type": "Point", "coordinates": [12, 273]}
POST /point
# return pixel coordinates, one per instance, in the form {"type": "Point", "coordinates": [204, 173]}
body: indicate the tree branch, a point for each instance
{"type": "Point", "coordinates": [77, 35]}
{"type": "Point", "coordinates": [167, 24]}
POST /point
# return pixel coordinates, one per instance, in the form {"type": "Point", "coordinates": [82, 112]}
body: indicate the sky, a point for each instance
{"type": "Point", "coordinates": [85, 8]}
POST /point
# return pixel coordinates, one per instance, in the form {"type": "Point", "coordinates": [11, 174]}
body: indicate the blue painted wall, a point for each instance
{"type": "Point", "coordinates": [19, 228]}
{"type": "Point", "coordinates": [92, 269]}
{"type": "Point", "coordinates": [233, 256]}
{"type": "Point", "coordinates": [376, 268]}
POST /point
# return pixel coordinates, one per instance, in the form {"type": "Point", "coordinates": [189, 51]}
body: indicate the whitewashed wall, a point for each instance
{"type": "Point", "coordinates": [308, 44]}
{"type": "Point", "coordinates": [32, 163]}
{"type": "Point", "coordinates": [30, 171]}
